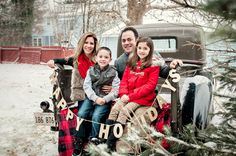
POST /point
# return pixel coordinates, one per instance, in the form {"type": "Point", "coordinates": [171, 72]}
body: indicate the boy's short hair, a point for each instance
{"type": "Point", "coordinates": [104, 48]}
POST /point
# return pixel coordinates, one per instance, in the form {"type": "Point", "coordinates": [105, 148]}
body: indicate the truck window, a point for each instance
{"type": "Point", "coordinates": [162, 45]}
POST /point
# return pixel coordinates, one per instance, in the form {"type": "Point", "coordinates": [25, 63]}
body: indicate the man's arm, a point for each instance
{"type": "Point", "coordinates": [164, 72]}
{"type": "Point", "coordinates": [165, 68]}
{"type": "Point", "coordinates": [120, 73]}
{"type": "Point", "coordinates": [120, 64]}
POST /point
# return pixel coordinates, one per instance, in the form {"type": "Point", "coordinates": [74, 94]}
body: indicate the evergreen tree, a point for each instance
{"type": "Point", "coordinates": [16, 22]}
{"type": "Point", "coordinates": [226, 10]}
{"type": "Point", "coordinates": [219, 139]}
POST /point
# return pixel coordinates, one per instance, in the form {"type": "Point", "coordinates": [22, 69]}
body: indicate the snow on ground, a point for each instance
{"type": "Point", "coordinates": [22, 88]}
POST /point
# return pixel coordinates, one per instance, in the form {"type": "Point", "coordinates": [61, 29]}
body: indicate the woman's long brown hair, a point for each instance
{"type": "Point", "coordinates": [80, 44]}
{"type": "Point", "coordinates": [132, 62]}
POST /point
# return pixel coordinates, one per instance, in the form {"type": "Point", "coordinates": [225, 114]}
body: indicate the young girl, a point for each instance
{"type": "Point", "coordinates": [137, 87]}
{"type": "Point", "coordinates": [98, 102]}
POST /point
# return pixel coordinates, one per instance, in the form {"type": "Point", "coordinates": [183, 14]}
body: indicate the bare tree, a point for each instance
{"type": "Point", "coordinates": [86, 15]}
{"type": "Point", "coordinates": [101, 15]}
{"type": "Point", "coordinates": [137, 9]}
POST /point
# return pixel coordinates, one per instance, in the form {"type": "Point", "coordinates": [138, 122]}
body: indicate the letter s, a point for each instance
{"type": "Point", "coordinates": [174, 75]}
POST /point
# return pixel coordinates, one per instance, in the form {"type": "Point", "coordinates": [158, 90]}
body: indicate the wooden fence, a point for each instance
{"type": "Point", "coordinates": [32, 55]}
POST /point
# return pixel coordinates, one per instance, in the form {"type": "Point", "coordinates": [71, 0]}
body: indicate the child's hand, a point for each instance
{"type": "Point", "coordinates": [124, 99]}
{"type": "Point", "coordinates": [100, 101]}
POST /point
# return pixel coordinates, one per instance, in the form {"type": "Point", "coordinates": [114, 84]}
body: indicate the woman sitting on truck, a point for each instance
{"type": "Point", "coordinates": [83, 59]}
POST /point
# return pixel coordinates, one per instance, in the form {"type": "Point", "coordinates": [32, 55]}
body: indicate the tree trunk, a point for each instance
{"type": "Point", "coordinates": [135, 11]}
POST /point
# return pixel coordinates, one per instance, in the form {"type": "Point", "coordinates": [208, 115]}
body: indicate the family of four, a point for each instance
{"type": "Point", "coordinates": [96, 84]}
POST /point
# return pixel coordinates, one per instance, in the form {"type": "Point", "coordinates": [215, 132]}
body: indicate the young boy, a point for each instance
{"type": "Point", "coordinates": [98, 102]}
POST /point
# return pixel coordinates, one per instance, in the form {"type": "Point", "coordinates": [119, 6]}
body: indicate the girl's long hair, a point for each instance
{"type": "Point", "coordinates": [79, 49]}
{"type": "Point", "coordinates": [132, 62]}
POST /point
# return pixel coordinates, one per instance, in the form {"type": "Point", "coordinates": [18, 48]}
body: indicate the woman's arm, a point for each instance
{"type": "Point", "coordinates": [61, 61]}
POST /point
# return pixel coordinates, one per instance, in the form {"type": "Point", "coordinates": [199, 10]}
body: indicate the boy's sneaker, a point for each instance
{"type": "Point", "coordinates": [95, 141]}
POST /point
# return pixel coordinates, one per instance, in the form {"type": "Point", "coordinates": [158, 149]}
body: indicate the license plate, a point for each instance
{"type": "Point", "coordinates": [46, 119]}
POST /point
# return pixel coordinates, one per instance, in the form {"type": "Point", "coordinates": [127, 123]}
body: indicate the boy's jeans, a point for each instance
{"type": "Point", "coordinates": [99, 114]}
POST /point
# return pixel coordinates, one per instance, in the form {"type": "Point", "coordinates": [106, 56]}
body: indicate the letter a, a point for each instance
{"type": "Point", "coordinates": [62, 103]}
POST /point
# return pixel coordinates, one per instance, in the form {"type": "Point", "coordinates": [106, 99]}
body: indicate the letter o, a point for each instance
{"type": "Point", "coordinates": [115, 130]}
